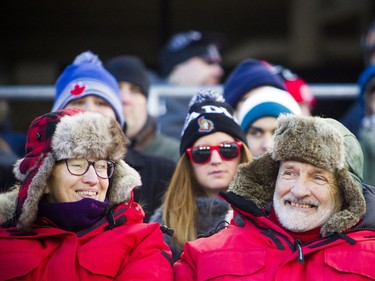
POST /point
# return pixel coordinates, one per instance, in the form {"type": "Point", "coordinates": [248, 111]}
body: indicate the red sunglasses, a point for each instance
{"type": "Point", "coordinates": [202, 154]}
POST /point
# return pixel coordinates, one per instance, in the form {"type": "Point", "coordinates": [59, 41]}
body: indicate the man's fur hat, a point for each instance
{"type": "Point", "coordinates": [324, 143]}
{"type": "Point", "coordinates": [67, 133]}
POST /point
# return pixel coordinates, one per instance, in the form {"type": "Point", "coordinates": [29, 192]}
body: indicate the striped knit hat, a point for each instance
{"type": "Point", "coordinates": [209, 113]}
{"type": "Point", "coordinates": [266, 102]}
{"type": "Point", "coordinates": [86, 76]}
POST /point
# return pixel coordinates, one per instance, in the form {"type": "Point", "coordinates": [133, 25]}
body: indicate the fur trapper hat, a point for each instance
{"type": "Point", "coordinates": [67, 133]}
{"type": "Point", "coordinates": [324, 143]}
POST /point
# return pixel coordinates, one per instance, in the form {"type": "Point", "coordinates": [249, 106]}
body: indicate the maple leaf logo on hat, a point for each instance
{"type": "Point", "coordinates": [78, 89]}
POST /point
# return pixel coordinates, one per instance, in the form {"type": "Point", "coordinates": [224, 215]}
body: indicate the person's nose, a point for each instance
{"type": "Point", "coordinates": [215, 157]}
{"type": "Point", "coordinates": [300, 188]}
{"type": "Point", "coordinates": [268, 143]}
{"type": "Point", "coordinates": [125, 96]}
{"type": "Point", "coordinates": [90, 176]}
{"type": "Point", "coordinates": [219, 69]}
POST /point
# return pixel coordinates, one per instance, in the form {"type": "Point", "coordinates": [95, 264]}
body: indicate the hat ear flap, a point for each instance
{"type": "Point", "coordinates": [32, 192]}
{"type": "Point", "coordinates": [354, 205]}
{"type": "Point", "coordinates": [125, 179]}
{"type": "Point", "coordinates": [255, 181]}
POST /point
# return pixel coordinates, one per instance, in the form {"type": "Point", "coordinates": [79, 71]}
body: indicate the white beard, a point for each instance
{"type": "Point", "coordinates": [300, 221]}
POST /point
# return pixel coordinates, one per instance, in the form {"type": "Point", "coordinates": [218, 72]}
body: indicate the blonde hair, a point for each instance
{"type": "Point", "coordinates": [180, 209]}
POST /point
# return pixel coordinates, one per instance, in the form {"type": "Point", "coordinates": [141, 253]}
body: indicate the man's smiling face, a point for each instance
{"type": "Point", "coordinates": [305, 196]}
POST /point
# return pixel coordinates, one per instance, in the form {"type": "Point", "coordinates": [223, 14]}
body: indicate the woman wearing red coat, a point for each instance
{"type": "Point", "coordinates": [72, 215]}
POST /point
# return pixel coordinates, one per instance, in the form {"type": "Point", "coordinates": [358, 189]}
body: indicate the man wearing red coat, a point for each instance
{"type": "Point", "coordinates": [301, 212]}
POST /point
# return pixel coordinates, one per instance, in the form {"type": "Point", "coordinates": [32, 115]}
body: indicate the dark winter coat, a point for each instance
{"type": "Point", "coordinates": [155, 173]}
{"type": "Point", "coordinates": [210, 218]}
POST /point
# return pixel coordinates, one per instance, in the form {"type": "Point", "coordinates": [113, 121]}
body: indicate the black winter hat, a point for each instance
{"type": "Point", "coordinates": [185, 45]}
{"type": "Point", "coordinates": [129, 69]}
{"type": "Point", "coordinates": [209, 113]}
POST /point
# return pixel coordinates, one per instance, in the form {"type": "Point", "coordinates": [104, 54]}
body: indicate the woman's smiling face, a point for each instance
{"type": "Point", "coordinates": [62, 186]}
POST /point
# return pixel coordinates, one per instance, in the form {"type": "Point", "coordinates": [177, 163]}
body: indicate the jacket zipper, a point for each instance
{"type": "Point", "coordinates": [298, 247]}
{"type": "Point", "coordinates": [99, 223]}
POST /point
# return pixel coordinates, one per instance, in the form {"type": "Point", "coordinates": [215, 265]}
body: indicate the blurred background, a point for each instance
{"type": "Point", "coordinates": [319, 39]}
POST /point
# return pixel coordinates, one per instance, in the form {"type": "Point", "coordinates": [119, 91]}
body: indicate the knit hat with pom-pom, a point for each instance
{"type": "Point", "coordinates": [87, 77]}
{"type": "Point", "coordinates": [209, 113]}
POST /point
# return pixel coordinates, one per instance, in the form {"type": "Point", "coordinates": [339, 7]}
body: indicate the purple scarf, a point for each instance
{"type": "Point", "coordinates": [73, 216]}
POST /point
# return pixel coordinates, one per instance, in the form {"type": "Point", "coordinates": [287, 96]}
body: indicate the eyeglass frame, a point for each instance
{"type": "Point", "coordinates": [90, 163]}
{"type": "Point", "coordinates": [217, 147]}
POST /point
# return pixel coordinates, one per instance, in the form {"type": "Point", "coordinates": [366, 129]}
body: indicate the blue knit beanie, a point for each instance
{"type": "Point", "coordinates": [266, 102]}
{"type": "Point", "coordinates": [248, 75]}
{"type": "Point", "coordinates": [87, 77]}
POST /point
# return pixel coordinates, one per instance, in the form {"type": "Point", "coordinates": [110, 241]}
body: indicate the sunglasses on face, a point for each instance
{"type": "Point", "coordinates": [202, 154]}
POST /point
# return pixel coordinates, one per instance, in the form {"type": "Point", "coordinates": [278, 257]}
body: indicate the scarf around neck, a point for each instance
{"type": "Point", "coordinates": [73, 216]}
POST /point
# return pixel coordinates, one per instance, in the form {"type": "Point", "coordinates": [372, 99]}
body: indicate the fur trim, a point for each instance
{"type": "Point", "coordinates": [8, 204]}
{"type": "Point", "coordinates": [70, 138]}
{"type": "Point", "coordinates": [314, 141]}
{"type": "Point", "coordinates": [35, 193]}
{"type": "Point", "coordinates": [255, 181]}
{"type": "Point", "coordinates": [16, 170]}
{"type": "Point", "coordinates": [354, 205]}
{"type": "Point", "coordinates": [125, 180]}
{"type": "Point", "coordinates": [309, 139]}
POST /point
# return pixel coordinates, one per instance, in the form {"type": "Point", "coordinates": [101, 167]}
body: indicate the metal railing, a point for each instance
{"type": "Point", "coordinates": [46, 93]}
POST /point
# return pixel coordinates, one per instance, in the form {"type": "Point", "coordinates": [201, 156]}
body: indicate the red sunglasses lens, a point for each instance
{"type": "Point", "coordinates": [202, 154]}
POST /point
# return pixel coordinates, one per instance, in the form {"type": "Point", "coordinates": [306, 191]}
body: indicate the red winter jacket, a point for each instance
{"type": "Point", "coordinates": [129, 250]}
{"type": "Point", "coordinates": [240, 253]}
{"type": "Point", "coordinates": [255, 248]}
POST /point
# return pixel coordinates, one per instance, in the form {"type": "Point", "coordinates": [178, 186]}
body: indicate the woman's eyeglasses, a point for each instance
{"type": "Point", "coordinates": [78, 167]}
{"type": "Point", "coordinates": [202, 154]}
